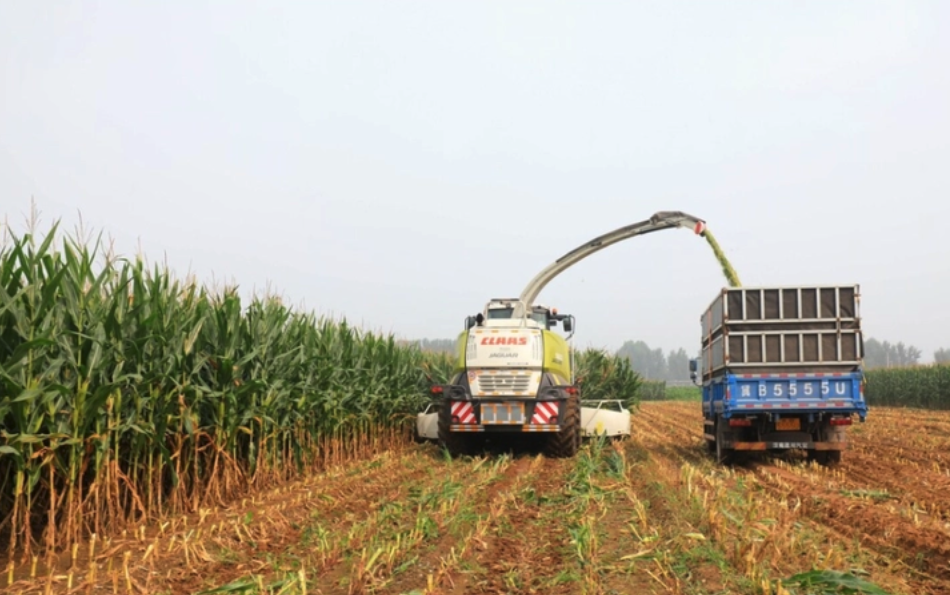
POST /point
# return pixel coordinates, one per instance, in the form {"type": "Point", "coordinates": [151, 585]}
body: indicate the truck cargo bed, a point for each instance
{"type": "Point", "coordinates": [768, 330]}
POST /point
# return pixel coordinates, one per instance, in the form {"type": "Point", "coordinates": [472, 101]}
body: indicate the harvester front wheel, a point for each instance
{"type": "Point", "coordinates": [566, 442]}
{"type": "Point", "coordinates": [457, 443]}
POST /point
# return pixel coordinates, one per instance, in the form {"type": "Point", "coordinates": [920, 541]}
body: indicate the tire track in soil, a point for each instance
{"type": "Point", "coordinates": [338, 576]}
{"type": "Point", "coordinates": [659, 484]}
{"type": "Point", "coordinates": [885, 532]}
{"type": "Point", "coordinates": [918, 435]}
{"type": "Point", "coordinates": [882, 528]}
{"type": "Point", "coordinates": [666, 415]}
{"type": "Point", "coordinates": [348, 500]}
{"type": "Point", "coordinates": [662, 432]}
{"type": "Point", "coordinates": [915, 488]}
{"type": "Point", "coordinates": [931, 420]}
{"type": "Point", "coordinates": [922, 549]}
{"type": "Point", "coordinates": [159, 561]}
{"type": "Point", "coordinates": [524, 549]}
{"type": "Point", "coordinates": [884, 448]}
{"type": "Point", "coordinates": [642, 576]}
{"type": "Point", "coordinates": [918, 490]}
{"type": "Point", "coordinates": [436, 556]}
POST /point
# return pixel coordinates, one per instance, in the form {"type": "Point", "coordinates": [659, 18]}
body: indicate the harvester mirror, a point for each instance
{"type": "Point", "coordinates": [568, 325]}
{"type": "Point", "coordinates": [469, 322]}
{"type": "Point", "coordinates": [693, 366]}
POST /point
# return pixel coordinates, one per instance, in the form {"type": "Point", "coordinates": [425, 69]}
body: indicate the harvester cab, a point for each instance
{"type": "Point", "coordinates": [515, 374]}
{"type": "Point", "coordinates": [503, 309]}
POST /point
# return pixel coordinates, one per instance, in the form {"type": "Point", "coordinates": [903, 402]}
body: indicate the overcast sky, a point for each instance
{"type": "Point", "coordinates": [399, 163]}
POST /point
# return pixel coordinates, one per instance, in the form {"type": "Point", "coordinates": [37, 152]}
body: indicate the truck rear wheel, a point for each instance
{"type": "Point", "coordinates": [710, 444]}
{"type": "Point", "coordinates": [457, 443]}
{"type": "Point", "coordinates": [724, 456]}
{"type": "Point", "coordinates": [567, 442]}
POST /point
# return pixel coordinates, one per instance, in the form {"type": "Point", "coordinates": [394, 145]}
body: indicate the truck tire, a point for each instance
{"type": "Point", "coordinates": [457, 443]}
{"type": "Point", "coordinates": [723, 455]}
{"type": "Point", "coordinates": [567, 442]}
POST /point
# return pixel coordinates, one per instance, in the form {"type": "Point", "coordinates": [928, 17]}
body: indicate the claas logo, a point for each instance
{"type": "Point", "coordinates": [504, 340]}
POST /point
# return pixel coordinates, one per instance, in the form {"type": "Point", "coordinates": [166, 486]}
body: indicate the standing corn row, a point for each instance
{"type": "Point", "coordinates": [927, 387]}
{"type": "Point", "coordinates": [606, 376]}
{"type": "Point", "coordinates": [653, 390]}
{"type": "Point", "coordinates": [125, 393]}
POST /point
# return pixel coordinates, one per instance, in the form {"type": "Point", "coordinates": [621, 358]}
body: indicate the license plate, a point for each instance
{"type": "Point", "coordinates": [503, 413]}
{"type": "Point", "coordinates": [788, 423]}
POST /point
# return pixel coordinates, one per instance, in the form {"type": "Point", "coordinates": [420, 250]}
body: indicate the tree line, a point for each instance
{"type": "Point", "coordinates": [884, 354]}
{"type": "Point", "coordinates": [654, 363]}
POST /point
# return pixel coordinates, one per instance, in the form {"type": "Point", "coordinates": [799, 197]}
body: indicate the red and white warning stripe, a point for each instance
{"type": "Point", "coordinates": [545, 412]}
{"type": "Point", "coordinates": [464, 411]}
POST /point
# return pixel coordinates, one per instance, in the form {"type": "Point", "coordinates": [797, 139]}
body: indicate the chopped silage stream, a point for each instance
{"type": "Point", "coordinates": [730, 273]}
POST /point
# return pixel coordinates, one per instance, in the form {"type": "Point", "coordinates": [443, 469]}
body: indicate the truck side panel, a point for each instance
{"type": "Point", "coordinates": [763, 330]}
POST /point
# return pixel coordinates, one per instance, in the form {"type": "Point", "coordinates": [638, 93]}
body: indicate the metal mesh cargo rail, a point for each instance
{"type": "Point", "coordinates": [783, 329]}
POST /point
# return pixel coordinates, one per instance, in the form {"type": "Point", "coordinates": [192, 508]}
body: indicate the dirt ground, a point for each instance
{"type": "Point", "coordinates": [649, 514]}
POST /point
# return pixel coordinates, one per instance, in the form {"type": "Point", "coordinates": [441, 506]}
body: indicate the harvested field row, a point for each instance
{"type": "Point", "coordinates": [651, 514]}
{"type": "Point", "coordinates": [892, 511]}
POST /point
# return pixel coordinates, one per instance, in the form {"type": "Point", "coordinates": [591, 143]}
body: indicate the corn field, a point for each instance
{"type": "Point", "coordinates": [926, 387]}
{"type": "Point", "coordinates": [653, 390]}
{"type": "Point", "coordinates": [126, 393]}
{"type": "Point", "coordinates": [606, 376]}
{"type": "Point", "coordinates": [136, 410]}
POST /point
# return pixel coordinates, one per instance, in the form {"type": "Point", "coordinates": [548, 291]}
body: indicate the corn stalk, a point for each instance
{"type": "Point", "coordinates": [126, 393]}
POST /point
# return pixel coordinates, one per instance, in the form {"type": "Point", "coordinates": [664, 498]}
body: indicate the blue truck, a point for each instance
{"type": "Point", "coordinates": [781, 369]}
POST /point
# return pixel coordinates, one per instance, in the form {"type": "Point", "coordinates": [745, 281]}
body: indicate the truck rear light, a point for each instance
{"type": "Point", "coordinates": [436, 390]}
{"type": "Point", "coordinates": [571, 390]}
{"type": "Point", "coordinates": [740, 422]}
{"type": "Point", "coordinates": [455, 419]}
{"type": "Point", "coordinates": [840, 421]}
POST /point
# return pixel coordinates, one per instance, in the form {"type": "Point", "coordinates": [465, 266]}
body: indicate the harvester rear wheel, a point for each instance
{"type": "Point", "coordinates": [457, 443]}
{"type": "Point", "coordinates": [567, 442]}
